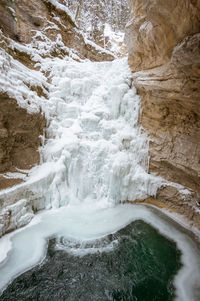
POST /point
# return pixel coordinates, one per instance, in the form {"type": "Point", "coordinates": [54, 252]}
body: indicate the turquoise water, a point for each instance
{"type": "Point", "coordinates": [140, 266]}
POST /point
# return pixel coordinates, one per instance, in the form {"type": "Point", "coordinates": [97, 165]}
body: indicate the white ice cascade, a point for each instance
{"type": "Point", "coordinates": [94, 156]}
{"type": "Point", "coordinates": [95, 150]}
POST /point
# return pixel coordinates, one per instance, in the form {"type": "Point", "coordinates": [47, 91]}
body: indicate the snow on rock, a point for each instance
{"type": "Point", "coordinates": [63, 8]}
{"type": "Point", "coordinates": [19, 81]}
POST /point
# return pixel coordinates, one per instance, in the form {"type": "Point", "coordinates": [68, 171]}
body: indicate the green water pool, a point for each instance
{"type": "Point", "coordinates": [140, 266]}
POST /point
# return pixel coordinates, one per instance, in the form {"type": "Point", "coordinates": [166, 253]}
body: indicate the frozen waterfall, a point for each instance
{"type": "Point", "coordinates": [95, 150]}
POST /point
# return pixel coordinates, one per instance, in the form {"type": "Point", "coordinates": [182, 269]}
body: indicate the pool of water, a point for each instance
{"type": "Point", "coordinates": [136, 263]}
{"type": "Point", "coordinates": [86, 252]}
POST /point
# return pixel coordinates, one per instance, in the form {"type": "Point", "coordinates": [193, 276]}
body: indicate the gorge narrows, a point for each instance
{"type": "Point", "coordinates": [95, 157]}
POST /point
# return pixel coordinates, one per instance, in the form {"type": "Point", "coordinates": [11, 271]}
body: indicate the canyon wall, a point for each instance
{"type": "Point", "coordinates": [19, 138]}
{"type": "Point", "coordinates": [163, 41]}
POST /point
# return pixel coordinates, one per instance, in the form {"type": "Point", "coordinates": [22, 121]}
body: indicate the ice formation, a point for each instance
{"type": "Point", "coordinates": [95, 147]}
{"type": "Point", "coordinates": [82, 223]}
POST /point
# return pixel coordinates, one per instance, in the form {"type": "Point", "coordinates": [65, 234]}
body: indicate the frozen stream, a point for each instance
{"type": "Point", "coordinates": [95, 157]}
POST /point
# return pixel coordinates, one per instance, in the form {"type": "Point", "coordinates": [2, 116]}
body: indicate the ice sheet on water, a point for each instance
{"type": "Point", "coordinates": [82, 223]}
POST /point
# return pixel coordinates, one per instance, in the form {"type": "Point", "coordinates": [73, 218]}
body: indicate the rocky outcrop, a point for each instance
{"type": "Point", "coordinates": [164, 53]}
{"type": "Point", "coordinates": [19, 138]}
{"type": "Point", "coordinates": [156, 27]}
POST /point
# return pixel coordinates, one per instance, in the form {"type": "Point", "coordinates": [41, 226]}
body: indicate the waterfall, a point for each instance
{"type": "Point", "coordinates": [95, 150]}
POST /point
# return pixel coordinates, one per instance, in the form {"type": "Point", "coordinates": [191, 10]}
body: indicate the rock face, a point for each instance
{"type": "Point", "coordinates": [156, 27]}
{"type": "Point", "coordinates": [22, 20]}
{"type": "Point", "coordinates": [164, 53]}
{"type": "Point", "coordinates": [19, 135]}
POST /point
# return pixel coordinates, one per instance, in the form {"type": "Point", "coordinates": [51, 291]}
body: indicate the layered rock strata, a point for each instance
{"type": "Point", "coordinates": [164, 54]}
